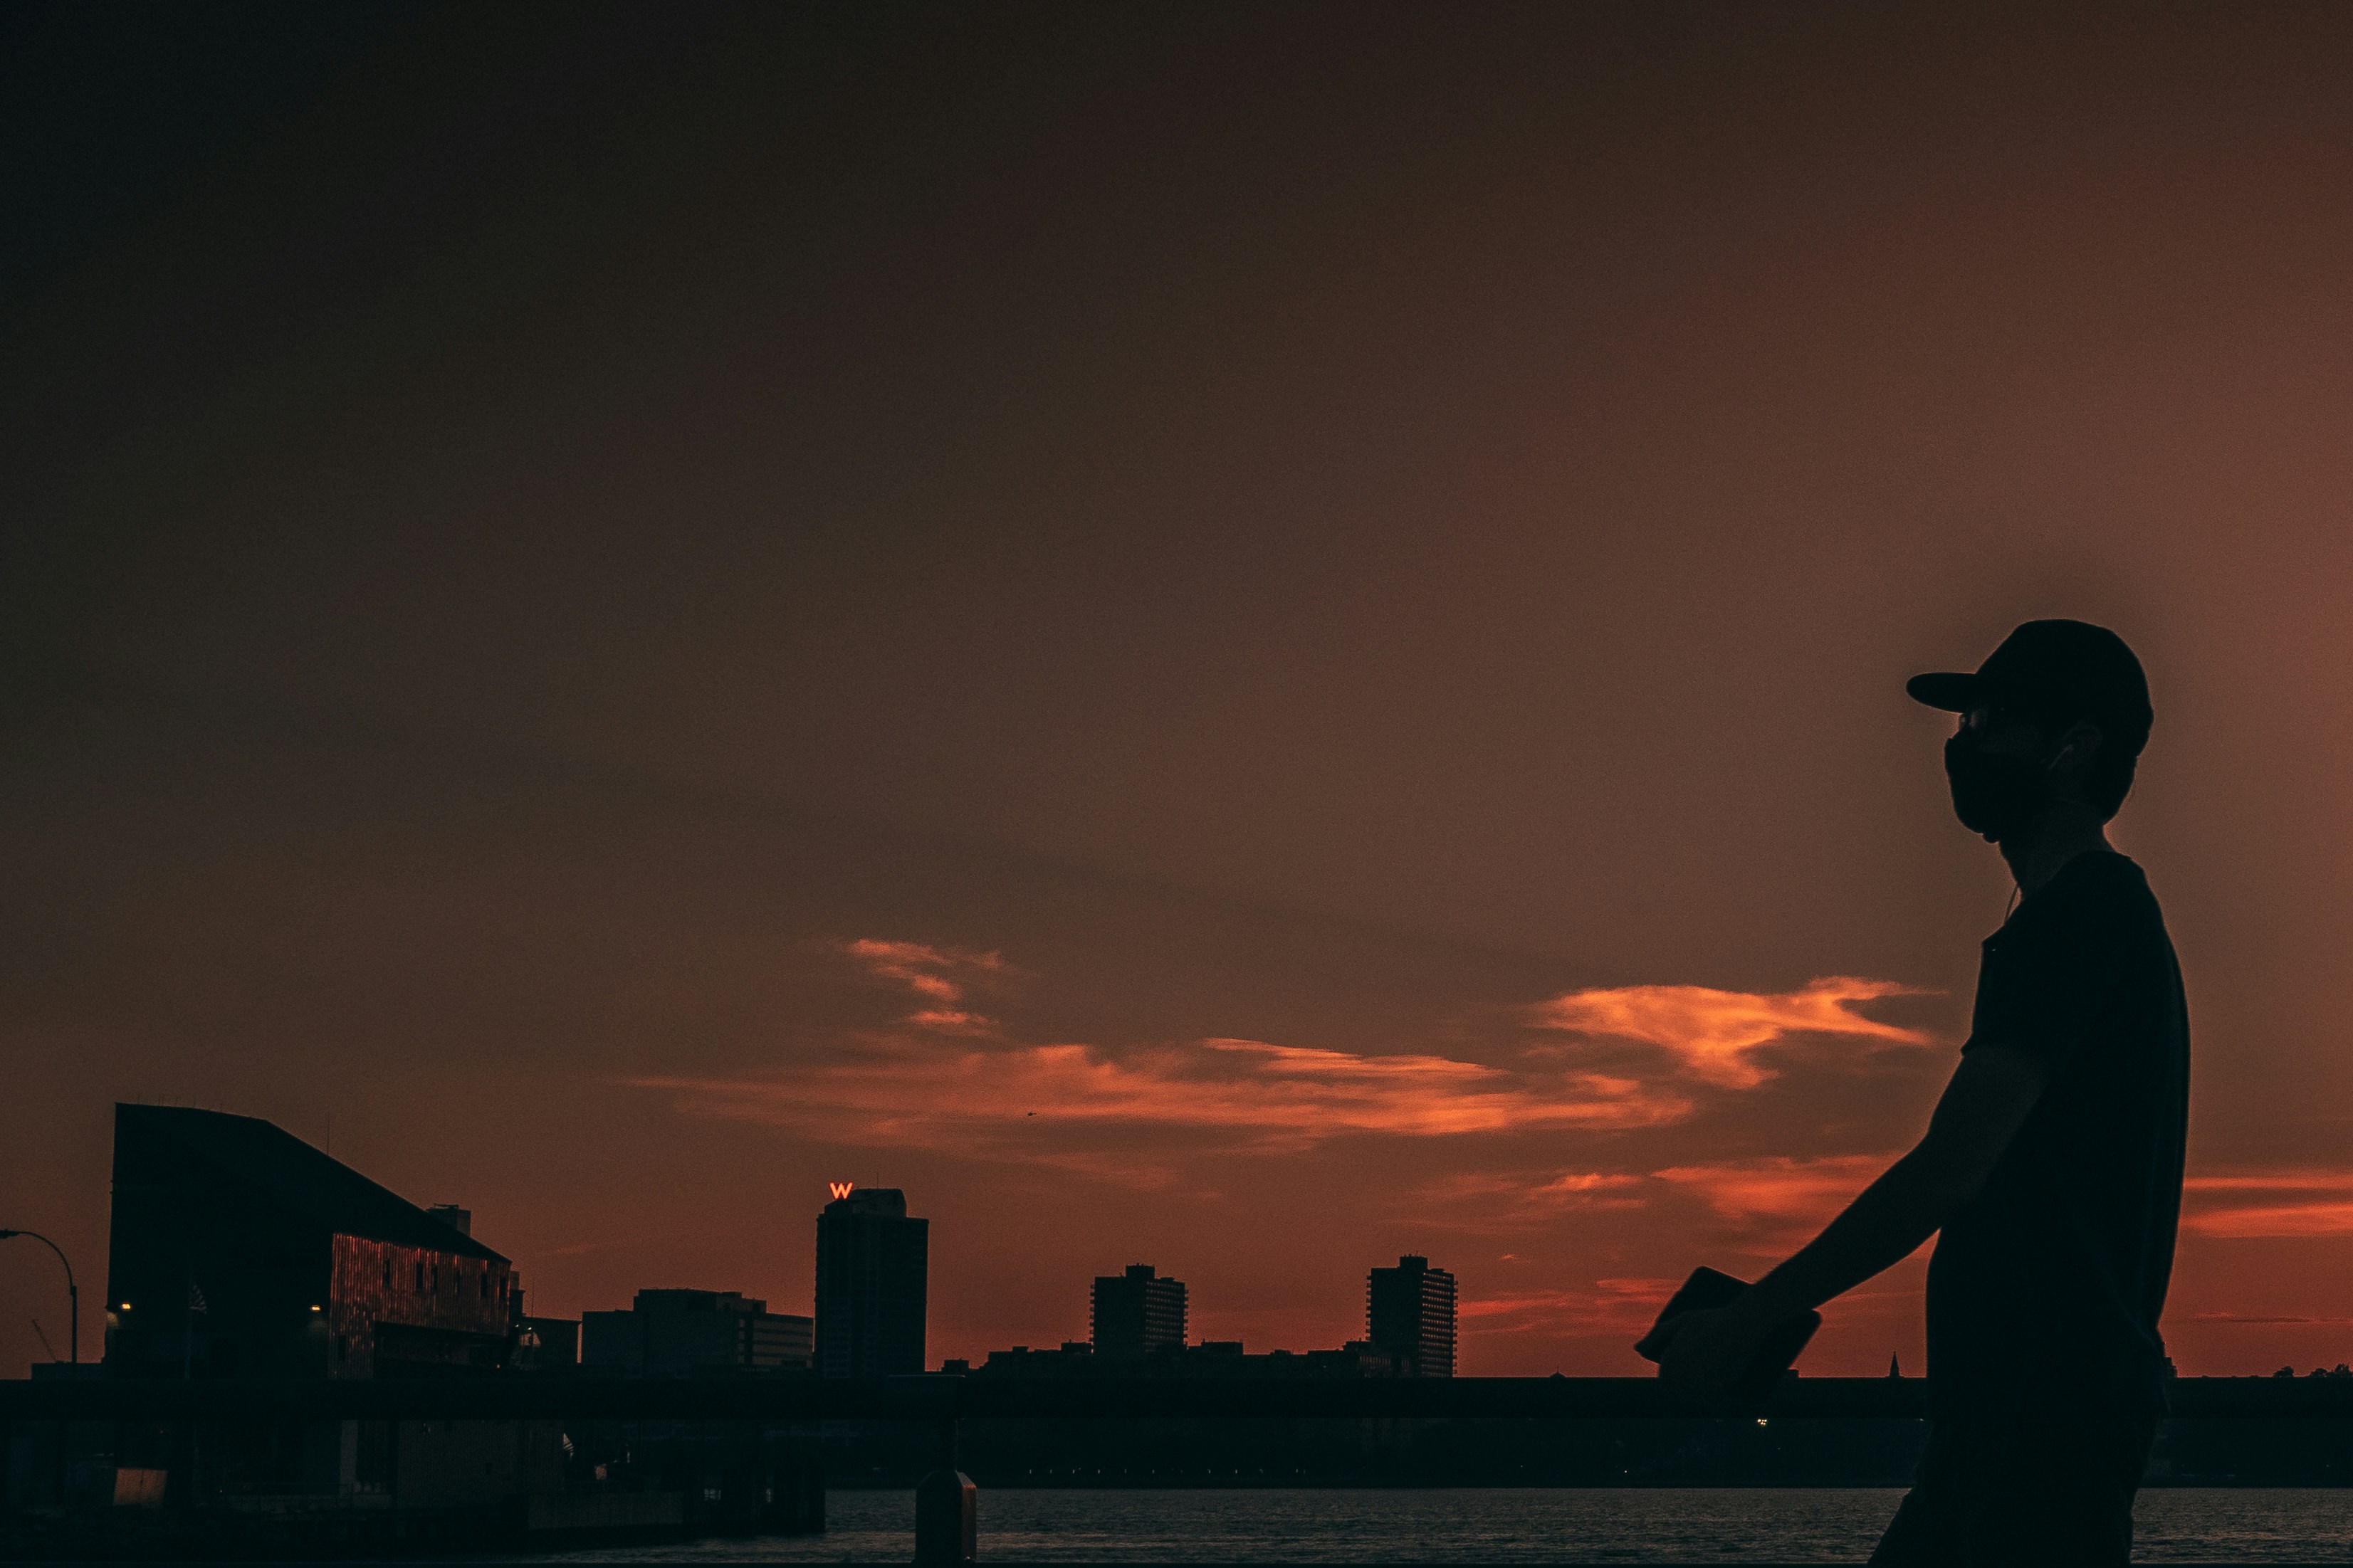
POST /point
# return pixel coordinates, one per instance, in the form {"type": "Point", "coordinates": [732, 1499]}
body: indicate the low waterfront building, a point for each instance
{"type": "Point", "coordinates": [694, 1334]}
{"type": "Point", "coordinates": [239, 1250]}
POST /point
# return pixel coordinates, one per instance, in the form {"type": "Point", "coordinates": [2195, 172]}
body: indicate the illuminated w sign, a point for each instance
{"type": "Point", "coordinates": [839, 1189]}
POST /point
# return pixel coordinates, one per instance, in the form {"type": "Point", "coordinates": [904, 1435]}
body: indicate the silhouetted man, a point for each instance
{"type": "Point", "coordinates": [2052, 1162]}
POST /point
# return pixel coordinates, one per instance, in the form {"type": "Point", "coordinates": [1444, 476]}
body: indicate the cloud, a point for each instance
{"type": "Point", "coordinates": [937, 975]}
{"type": "Point", "coordinates": [952, 1021]}
{"type": "Point", "coordinates": [1766, 1198]}
{"type": "Point", "coordinates": [922, 970]}
{"type": "Point", "coordinates": [1773, 1196]}
{"type": "Point", "coordinates": [930, 1093]}
{"type": "Point", "coordinates": [1578, 1186]}
{"type": "Point", "coordinates": [1612, 1306]}
{"type": "Point", "coordinates": [949, 1077]}
{"type": "Point", "coordinates": [1711, 1033]}
{"type": "Point", "coordinates": [2298, 1202]}
{"type": "Point", "coordinates": [1502, 1201]}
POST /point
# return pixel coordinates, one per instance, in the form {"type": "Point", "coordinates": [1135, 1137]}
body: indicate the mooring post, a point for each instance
{"type": "Point", "coordinates": [947, 1524]}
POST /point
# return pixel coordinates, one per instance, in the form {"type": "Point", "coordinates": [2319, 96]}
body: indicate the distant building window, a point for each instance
{"type": "Point", "coordinates": [420, 1277]}
{"type": "Point", "coordinates": [387, 1273]}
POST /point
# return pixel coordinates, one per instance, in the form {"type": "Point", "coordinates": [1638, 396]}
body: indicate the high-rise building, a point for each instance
{"type": "Point", "coordinates": [684, 1333]}
{"type": "Point", "coordinates": [1138, 1311]}
{"type": "Point", "coordinates": [872, 1261]}
{"type": "Point", "coordinates": [1409, 1311]}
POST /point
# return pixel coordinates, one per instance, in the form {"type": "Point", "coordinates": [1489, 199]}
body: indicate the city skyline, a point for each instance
{"type": "Point", "coordinates": [237, 1249]}
{"type": "Point", "coordinates": [1132, 1313]}
{"type": "Point", "coordinates": [669, 1331]}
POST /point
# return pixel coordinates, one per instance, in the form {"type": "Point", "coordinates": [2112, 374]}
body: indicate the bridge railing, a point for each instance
{"type": "Point", "coordinates": [945, 1499]}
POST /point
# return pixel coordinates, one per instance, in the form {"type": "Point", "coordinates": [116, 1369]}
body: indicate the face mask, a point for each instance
{"type": "Point", "coordinates": [1994, 795]}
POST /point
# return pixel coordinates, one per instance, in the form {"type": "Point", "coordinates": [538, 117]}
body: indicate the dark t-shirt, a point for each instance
{"type": "Point", "coordinates": [2044, 1291]}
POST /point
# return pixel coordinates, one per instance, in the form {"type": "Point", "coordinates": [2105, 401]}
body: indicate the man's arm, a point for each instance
{"type": "Point", "coordinates": [1980, 1110]}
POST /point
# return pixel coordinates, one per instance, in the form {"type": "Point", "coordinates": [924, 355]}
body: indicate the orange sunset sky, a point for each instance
{"type": "Point", "coordinates": [1251, 638]}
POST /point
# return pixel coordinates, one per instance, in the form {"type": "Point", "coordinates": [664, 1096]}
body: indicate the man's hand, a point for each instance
{"type": "Point", "coordinates": [1707, 1350]}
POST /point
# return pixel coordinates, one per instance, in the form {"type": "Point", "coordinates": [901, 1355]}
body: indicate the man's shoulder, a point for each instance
{"type": "Point", "coordinates": [2098, 901]}
{"type": "Point", "coordinates": [2100, 879]}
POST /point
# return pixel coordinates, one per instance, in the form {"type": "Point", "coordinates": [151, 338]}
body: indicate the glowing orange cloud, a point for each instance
{"type": "Point", "coordinates": [1774, 1195]}
{"type": "Point", "coordinates": [1769, 1198]}
{"type": "Point", "coordinates": [927, 1093]}
{"type": "Point", "coordinates": [952, 1021]}
{"type": "Point", "coordinates": [1712, 1032]}
{"type": "Point", "coordinates": [1612, 1306]}
{"type": "Point", "coordinates": [2291, 1203]}
{"type": "Point", "coordinates": [1502, 1201]}
{"type": "Point", "coordinates": [947, 1077]}
{"type": "Point", "coordinates": [926, 972]}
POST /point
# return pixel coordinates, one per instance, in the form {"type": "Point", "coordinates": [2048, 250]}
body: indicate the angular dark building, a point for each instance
{"type": "Point", "coordinates": [873, 1259]}
{"type": "Point", "coordinates": [688, 1334]}
{"type": "Point", "coordinates": [239, 1250]}
{"type": "Point", "coordinates": [1409, 1312]}
{"type": "Point", "coordinates": [1137, 1313]}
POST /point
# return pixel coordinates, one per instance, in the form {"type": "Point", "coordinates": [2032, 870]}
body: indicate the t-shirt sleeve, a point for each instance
{"type": "Point", "coordinates": [2042, 985]}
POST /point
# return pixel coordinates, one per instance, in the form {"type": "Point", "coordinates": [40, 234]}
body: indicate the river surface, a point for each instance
{"type": "Point", "coordinates": [2175, 1524]}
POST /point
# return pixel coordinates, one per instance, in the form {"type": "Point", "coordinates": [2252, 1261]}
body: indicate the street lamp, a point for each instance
{"type": "Point", "coordinates": [73, 1291]}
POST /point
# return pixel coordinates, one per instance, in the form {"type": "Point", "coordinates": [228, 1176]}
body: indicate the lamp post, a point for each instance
{"type": "Point", "coordinates": [73, 1291]}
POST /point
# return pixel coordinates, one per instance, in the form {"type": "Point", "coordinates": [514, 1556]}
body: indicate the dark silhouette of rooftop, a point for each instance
{"type": "Point", "coordinates": [301, 1178]}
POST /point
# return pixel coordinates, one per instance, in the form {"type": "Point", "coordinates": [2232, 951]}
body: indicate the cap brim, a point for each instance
{"type": "Point", "coordinates": [1955, 693]}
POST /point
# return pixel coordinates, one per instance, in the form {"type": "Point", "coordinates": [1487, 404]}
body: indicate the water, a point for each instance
{"type": "Point", "coordinates": [1720, 1524]}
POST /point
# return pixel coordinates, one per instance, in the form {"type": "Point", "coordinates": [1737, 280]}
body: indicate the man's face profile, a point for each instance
{"type": "Point", "coordinates": [2005, 764]}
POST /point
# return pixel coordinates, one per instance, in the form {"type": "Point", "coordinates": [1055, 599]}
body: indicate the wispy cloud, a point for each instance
{"type": "Point", "coordinates": [1771, 1198]}
{"type": "Point", "coordinates": [1768, 1198]}
{"type": "Point", "coordinates": [939, 976]}
{"type": "Point", "coordinates": [1611, 1306]}
{"type": "Point", "coordinates": [1774, 1198]}
{"type": "Point", "coordinates": [948, 1076]}
{"type": "Point", "coordinates": [1502, 1202]}
{"type": "Point", "coordinates": [1711, 1033]}
{"type": "Point", "coordinates": [928, 1093]}
{"type": "Point", "coordinates": [2295, 1201]}
{"type": "Point", "coordinates": [952, 1021]}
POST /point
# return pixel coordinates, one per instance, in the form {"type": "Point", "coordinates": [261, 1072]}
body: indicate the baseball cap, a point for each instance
{"type": "Point", "coordinates": [2067, 669]}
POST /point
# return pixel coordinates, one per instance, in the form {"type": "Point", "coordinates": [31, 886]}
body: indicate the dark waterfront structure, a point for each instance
{"type": "Point", "coordinates": [242, 1258]}
{"type": "Point", "coordinates": [237, 1250]}
{"type": "Point", "coordinates": [1137, 1313]}
{"type": "Point", "coordinates": [872, 1261]}
{"type": "Point", "coordinates": [1409, 1312]}
{"type": "Point", "coordinates": [688, 1334]}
